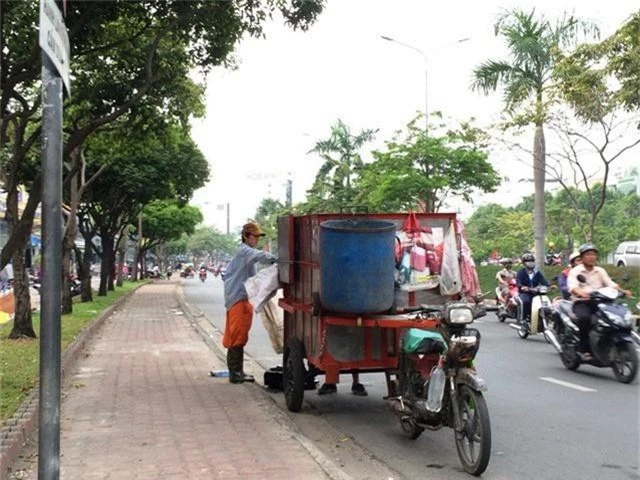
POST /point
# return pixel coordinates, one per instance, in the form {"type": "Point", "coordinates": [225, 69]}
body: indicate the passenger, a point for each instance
{"type": "Point", "coordinates": [239, 310]}
{"type": "Point", "coordinates": [574, 259]}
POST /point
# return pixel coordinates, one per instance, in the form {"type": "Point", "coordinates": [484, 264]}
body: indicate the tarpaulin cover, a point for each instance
{"type": "Point", "coordinates": [470, 283]}
{"type": "Point", "coordinates": [423, 341]}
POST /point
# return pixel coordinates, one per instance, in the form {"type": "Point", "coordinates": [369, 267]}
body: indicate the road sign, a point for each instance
{"type": "Point", "coordinates": [54, 40]}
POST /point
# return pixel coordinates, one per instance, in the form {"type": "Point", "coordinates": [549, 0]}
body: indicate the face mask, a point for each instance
{"type": "Point", "coordinates": [530, 265]}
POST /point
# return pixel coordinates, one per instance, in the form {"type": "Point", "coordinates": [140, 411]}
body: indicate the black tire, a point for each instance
{"type": "Point", "coordinates": [625, 364]}
{"type": "Point", "coordinates": [294, 374]}
{"type": "Point", "coordinates": [502, 316]}
{"type": "Point", "coordinates": [410, 429]}
{"type": "Point", "coordinates": [569, 357]}
{"type": "Point", "coordinates": [473, 443]}
{"type": "Point", "coordinates": [523, 333]}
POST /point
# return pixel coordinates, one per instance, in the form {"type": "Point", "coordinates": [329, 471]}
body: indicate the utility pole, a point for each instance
{"type": "Point", "coordinates": [228, 219]}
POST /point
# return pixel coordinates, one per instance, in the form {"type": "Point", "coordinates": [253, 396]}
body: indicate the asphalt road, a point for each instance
{"type": "Point", "coordinates": [547, 422]}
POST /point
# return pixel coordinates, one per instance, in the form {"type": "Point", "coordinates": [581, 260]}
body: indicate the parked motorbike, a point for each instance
{"type": "Point", "coordinates": [540, 314]}
{"type": "Point", "coordinates": [610, 337]}
{"type": "Point", "coordinates": [508, 305]}
{"type": "Point", "coordinates": [437, 385]}
{"type": "Point", "coordinates": [75, 286]}
{"type": "Point", "coordinates": [203, 274]}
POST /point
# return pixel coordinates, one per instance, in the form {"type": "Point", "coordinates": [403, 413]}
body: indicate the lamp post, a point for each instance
{"type": "Point", "coordinates": [426, 74]}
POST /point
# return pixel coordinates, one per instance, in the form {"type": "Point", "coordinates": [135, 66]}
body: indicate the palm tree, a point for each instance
{"type": "Point", "coordinates": [535, 44]}
{"type": "Point", "coordinates": [333, 186]}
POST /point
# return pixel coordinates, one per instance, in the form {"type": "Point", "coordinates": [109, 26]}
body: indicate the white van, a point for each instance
{"type": "Point", "coordinates": [627, 254]}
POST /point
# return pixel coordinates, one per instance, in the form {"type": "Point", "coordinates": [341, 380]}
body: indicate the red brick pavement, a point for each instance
{"type": "Point", "coordinates": [142, 406]}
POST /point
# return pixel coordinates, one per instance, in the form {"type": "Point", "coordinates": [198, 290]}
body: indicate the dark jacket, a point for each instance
{"type": "Point", "coordinates": [523, 280]}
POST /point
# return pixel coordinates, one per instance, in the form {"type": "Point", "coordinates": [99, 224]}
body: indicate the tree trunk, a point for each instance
{"type": "Point", "coordinates": [22, 322]}
{"type": "Point", "coordinates": [539, 169]}
{"type": "Point", "coordinates": [136, 257]}
{"type": "Point", "coordinates": [112, 269]}
{"type": "Point", "coordinates": [85, 278]}
{"type": "Point", "coordinates": [67, 298]}
{"type": "Point", "coordinates": [122, 250]}
{"type": "Point", "coordinates": [105, 261]}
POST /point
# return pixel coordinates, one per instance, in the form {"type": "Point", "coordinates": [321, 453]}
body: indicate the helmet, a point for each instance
{"type": "Point", "coordinates": [528, 257]}
{"type": "Point", "coordinates": [573, 256]}
{"type": "Point", "coordinates": [551, 244]}
{"type": "Point", "coordinates": [506, 261]}
{"type": "Point", "coordinates": [587, 247]}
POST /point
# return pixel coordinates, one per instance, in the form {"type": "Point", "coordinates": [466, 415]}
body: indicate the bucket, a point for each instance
{"type": "Point", "coordinates": [357, 265]}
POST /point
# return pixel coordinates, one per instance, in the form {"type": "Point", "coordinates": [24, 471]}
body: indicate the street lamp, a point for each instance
{"type": "Point", "coordinates": [426, 76]}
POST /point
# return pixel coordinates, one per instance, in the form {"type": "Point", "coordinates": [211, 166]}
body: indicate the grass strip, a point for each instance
{"type": "Point", "coordinates": [19, 359]}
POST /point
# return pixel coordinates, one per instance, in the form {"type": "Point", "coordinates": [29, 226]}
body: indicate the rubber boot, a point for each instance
{"type": "Point", "coordinates": [245, 377]}
{"type": "Point", "coordinates": [234, 364]}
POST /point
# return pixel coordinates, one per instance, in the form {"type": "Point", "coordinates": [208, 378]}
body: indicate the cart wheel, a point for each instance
{"type": "Point", "coordinates": [294, 374]}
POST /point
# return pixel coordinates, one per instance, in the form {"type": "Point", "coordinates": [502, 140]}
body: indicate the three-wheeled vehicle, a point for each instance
{"type": "Point", "coordinates": [358, 290]}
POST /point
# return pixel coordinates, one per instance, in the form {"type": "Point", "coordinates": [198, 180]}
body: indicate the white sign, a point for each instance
{"type": "Point", "coordinates": [54, 39]}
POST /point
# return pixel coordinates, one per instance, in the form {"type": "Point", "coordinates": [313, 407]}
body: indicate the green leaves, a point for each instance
{"type": "Point", "coordinates": [422, 172]}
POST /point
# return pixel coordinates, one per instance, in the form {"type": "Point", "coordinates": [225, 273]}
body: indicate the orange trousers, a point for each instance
{"type": "Point", "coordinates": [239, 319]}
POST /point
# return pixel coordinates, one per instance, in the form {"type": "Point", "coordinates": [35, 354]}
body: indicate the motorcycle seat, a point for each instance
{"type": "Point", "coordinates": [566, 307]}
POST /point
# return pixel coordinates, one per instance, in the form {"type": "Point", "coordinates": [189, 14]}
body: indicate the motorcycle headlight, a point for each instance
{"type": "Point", "coordinates": [459, 314]}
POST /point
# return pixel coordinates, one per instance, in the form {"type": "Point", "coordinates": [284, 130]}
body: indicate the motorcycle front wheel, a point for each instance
{"type": "Point", "coordinates": [625, 362]}
{"type": "Point", "coordinates": [473, 441]}
{"type": "Point", "coordinates": [523, 331]}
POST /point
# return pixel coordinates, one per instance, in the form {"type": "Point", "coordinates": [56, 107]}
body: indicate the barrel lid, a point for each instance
{"type": "Point", "coordinates": [359, 225]}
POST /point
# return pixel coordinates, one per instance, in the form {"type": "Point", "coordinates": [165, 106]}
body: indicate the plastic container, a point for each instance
{"type": "Point", "coordinates": [357, 265]}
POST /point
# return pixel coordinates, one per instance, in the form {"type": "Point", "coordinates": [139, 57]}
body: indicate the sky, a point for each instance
{"type": "Point", "coordinates": [290, 87]}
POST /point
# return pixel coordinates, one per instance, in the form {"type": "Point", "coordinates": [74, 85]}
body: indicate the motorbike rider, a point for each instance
{"type": "Point", "coordinates": [595, 277]}
{"type": "Point", "coordinates": [574, 259]}
{"type": "Point", "coordinates": [504, 276]}
{"type": "Point", "coordinates": [528, 277]}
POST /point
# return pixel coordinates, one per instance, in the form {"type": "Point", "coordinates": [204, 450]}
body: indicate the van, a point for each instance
{"type": "Point", "coordinates": [627, 254]}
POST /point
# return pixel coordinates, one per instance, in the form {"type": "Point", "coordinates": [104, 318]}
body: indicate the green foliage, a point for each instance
{"type": "Point", "coordinates": [420, 172]}
{"type": "Point", "coordinates": [585, 76]}
{"type": "Point", "coordinates": [267, 216]}
{"type": "Point", "coordinates": [209, 241]}
{"type": "Point", "coordinates": [166, 220]}
{"type": "Point", "coordinates": [508, 229]}
{"type": "Point", "coordinates": [334, 186]}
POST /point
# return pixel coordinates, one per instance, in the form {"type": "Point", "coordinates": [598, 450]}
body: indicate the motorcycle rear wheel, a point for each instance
{"type": "Point", "coordinates": [410, 429]}
{"type": "Point", "coordinates": [569, 358]}
{"type": "Point", "coordinates": [625, 362]}
{"type": "Point", "coordinates": [473, 442]}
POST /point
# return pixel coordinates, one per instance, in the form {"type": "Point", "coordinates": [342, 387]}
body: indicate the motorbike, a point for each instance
{"type": "Point", "coordinates": [508, 306]}
{"type": "Point", "coordinates": [203, 274]}
{"type": "Point", "coordinates": [610, 336]}
{"type": "Point", "coordinates": [436, 385]}
{"type": "Point", "coordinates": [540, 314]}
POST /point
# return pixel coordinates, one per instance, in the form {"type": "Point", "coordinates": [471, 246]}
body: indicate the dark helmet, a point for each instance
{"type": "Point", "coordinates": [528, 257]}
{"type": "Point", "coordinates": [587, 247]}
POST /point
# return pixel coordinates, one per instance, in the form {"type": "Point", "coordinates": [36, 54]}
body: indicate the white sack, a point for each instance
{"type": "Point", "coordinates": [273, 322]}
{"type": "Point", "coordinates": [450, 279]}
{"type": "Point", "coordinates": [262, 286]}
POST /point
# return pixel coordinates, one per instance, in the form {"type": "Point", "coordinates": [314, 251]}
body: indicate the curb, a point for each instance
{"type": "Point", "coordinates": [213, 340]}
{"type": "Point", "coordinates": [24, 423]}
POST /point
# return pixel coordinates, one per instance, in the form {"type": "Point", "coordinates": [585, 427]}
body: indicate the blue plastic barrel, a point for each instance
{"type": "Point", "coordinates": [357, 265]}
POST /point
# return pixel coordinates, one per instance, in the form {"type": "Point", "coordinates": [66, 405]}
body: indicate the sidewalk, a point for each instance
{"type": "Point", "coordinates": [141, 405]}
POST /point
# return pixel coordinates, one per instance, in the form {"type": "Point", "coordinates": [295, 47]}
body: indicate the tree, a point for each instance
{"type": "Point", "coordinates": [164, 221]}
{"type": "Point", "coordinates": [534, 44]}
{"type": "Point", "coordinates": [584, 77]}
{"type": "Point", "coordinates": [608, 141]}
{"type": "Point", "coordinates": [420, 172]}
{"type": "Point", "coordinates": [209, 242]}
{"type": "Point", "coordinates": [333, 187]}
{"type": "Point", "coordinates": [125, 54]}
{"type": "Point", "coordinates": [267, 216]}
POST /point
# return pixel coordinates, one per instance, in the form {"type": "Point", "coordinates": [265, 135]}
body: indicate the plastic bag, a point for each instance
{"type": "Point", "coordinates": [262, 286]}
{"type": "Point", "coordinates": [450, 281]}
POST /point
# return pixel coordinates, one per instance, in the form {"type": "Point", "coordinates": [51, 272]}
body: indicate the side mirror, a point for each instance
{"type": "Point", "coordinates": [582, 278]}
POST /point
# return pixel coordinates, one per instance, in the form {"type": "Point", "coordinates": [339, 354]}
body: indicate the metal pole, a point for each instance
{"type": "Point", "coordinates": [228, 219]}
{"type": "Point", "coordinates": [426, 99]}
{"type": "Point", "coordinates": [49, 425]}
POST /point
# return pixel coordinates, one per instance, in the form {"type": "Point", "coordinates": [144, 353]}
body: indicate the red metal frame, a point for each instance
{"type": "Point", "coordinates": [298, 251]}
